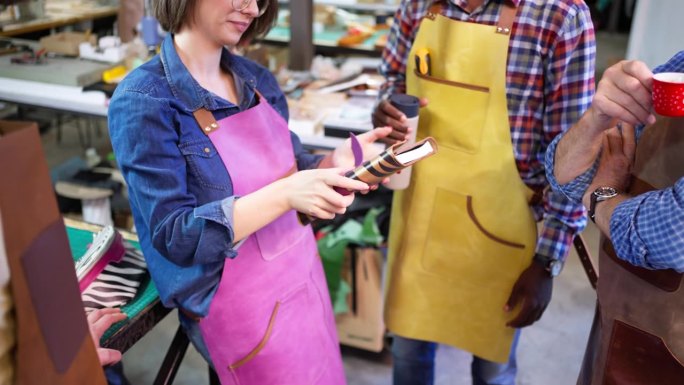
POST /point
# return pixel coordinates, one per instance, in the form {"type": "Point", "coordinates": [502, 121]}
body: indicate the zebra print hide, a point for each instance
{"type": "Point", "coordinates": [118, 283]}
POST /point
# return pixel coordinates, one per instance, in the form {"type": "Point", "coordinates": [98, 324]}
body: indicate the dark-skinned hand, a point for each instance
{"type": "Point", "coordinates": [532, 291]}
{"type": "Point", "coordinates": [385, 114]}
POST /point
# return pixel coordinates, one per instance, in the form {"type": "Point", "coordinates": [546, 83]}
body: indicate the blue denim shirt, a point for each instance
{"type": "Point", "coordinates": [180, 192]}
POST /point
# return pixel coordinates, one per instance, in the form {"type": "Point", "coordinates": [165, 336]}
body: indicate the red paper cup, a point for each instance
{"type": "Point", "coordinates": [668, 93]}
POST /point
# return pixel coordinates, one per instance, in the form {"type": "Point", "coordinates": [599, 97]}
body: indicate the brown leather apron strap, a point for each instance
{"type": "Point", "coordinates": [261, 97]}
{"type": "Point", "coordinates": [206, 120]}
{"type": "Point", "coordinates": [506, 19]}
{"type": "Point", "coordinates": [435, 9]}
{"type": "Point", "coordinates": [585, 258]}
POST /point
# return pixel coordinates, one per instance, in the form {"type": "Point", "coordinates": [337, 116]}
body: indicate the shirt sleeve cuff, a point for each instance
{"type": "Point", "coordinates": [555, 239]}
{"type": "Point", "coordinates": [628, 246]}
{"type": "Point", "coordinates": [574, 189]}
{"type": "Point", "coordinates": [228, 205]}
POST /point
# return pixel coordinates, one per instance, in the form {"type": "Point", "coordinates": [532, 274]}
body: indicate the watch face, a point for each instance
{"type": "Point", "coordinates": [555, 267]}
{"type": "Point", "coordinates": [603, 193]}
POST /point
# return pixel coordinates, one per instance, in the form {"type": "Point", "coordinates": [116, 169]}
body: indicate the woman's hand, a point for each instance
{"type": "Point", "coordinates": [343, 157]}
{"type": "Point", "coordinates": [98, 322]}
{"type": "Point", "coordinates": [311, 192]}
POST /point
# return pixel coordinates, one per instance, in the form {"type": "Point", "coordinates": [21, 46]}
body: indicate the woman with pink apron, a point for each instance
{"type": "Point", "coordinates": [273, 295]}
{"type": "Point", "coordinates": [213, 173]}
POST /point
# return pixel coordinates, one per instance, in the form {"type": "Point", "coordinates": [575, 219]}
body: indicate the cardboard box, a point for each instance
{"type": "Point", "coordinates": [66, 43]}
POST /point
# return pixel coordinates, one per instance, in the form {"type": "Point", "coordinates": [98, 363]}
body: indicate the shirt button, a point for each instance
{"type": "Point", "coordinates": [207, 150]}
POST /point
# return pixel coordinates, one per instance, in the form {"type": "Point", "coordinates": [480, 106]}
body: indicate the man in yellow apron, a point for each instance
{"type": "Point", "coordinates": [637, 337]}
{"type": "Point", "coordinates": [498, 80]}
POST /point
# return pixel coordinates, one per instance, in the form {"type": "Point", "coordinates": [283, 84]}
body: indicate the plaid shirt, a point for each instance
{"type": "Point", "coordinates": [646, 230]}
{"type": "Point", "coordinates": [549, 83]}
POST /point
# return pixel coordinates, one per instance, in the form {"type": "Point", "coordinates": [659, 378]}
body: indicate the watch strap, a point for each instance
{"type": "Point", "coordinates": [592, 207]}
{"type": "Point", "coordinates": [551, 265]}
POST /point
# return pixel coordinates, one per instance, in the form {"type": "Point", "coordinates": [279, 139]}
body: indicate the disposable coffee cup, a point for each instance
{"type": "Point", "coordinates": [668, 93]}
{"type": "Point", "coordinates": [409, 105]}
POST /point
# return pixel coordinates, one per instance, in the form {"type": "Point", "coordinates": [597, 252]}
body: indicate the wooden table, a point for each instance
{"type": "Point", "coordinates": [54, 20]}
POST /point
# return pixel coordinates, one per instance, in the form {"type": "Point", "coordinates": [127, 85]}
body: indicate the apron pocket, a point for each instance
{"type": "Point", "coordinates": [292, 349]}
{"type": "Point", "coordinates": [454, 116]}
{"type": "Point", "coordinates": [638, 357]}
{"type": "Point", "coordinates": [281, 235]}
{"type": "Point", "coordinates": [460, 243]}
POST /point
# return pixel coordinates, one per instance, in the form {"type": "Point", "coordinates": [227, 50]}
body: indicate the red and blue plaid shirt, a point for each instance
{"type": "Point", "coordinates": [549, 84]}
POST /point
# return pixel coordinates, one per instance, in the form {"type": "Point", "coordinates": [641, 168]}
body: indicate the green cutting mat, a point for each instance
{"type": "Point", "coordinates": [78, 242]}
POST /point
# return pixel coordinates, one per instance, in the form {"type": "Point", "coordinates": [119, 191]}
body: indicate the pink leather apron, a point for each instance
{"type": "Point", "coordinates": [271, 320]}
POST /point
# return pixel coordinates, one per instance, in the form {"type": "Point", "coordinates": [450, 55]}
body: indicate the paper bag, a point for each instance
{"type": "Point", "coordinates": [363, 326]}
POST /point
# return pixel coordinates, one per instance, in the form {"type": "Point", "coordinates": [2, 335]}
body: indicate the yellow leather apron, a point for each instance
{"type": "Point", "coordinates": [462, 233]}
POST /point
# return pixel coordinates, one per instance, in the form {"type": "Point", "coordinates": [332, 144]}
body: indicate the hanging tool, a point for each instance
{"type": "Point", "coordinates": [423, 62]}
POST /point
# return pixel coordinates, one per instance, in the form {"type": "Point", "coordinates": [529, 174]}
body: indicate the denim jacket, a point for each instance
{"type": "Point", "coordinates": [180, 192]}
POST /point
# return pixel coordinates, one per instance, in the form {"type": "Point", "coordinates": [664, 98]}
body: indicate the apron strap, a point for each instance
{"type": "Point", "coordinates": [435, 9]}
{"type": "Point", "coordinates": [586, 259]}
{"type": "Point", "coordinates": [261, 97]}
{"type": "Point", "coordinates": [506, 18]}
{"type": "Point", "coordinates": [206, 120]}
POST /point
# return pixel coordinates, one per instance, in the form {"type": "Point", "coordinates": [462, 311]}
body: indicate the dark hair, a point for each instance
{"type": "Point", "coordinates": [173, 14]}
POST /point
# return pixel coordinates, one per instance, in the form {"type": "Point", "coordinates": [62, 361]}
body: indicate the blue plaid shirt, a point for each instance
{"type": "Point", "coordinates": [647, 230]}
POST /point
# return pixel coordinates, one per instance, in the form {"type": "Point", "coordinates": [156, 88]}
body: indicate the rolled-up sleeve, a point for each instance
{"type": "Point", "coordinates": [573, 190]}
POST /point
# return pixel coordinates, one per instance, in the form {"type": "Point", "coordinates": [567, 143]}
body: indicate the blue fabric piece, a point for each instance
{"type": "Point", "coordinates": [180, 192]}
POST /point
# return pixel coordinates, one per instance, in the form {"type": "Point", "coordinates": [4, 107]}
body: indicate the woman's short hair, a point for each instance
{"type": "Point", "coordinates": [173, 14]}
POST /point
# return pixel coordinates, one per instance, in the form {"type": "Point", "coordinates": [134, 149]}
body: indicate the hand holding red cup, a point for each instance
{"type": "Point", "coordinates": [668, 93]}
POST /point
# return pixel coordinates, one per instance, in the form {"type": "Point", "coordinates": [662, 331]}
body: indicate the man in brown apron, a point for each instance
{"type": "Point", "coordinates": [638, 334]}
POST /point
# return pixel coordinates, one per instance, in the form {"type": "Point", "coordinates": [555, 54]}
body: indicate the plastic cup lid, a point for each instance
{"type": "Point", "coordinates": [408, 104]}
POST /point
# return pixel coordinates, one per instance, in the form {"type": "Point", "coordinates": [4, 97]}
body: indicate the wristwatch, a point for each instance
{"type": "Point", "coordinates": [551, 265]}
{"type": "Point", "coordinates": [599, 195]}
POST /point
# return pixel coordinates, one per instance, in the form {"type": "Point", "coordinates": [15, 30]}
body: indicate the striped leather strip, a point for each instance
{"type": "Point", "coordinates": [118, 283]}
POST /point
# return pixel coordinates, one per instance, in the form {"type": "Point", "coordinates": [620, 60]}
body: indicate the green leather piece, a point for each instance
{"type": "Point", "coordinates": [370, 233]}
{"type": "Point", "coordinates": [332, 246]}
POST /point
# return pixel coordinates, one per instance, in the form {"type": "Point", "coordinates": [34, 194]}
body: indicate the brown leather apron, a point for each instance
{"type": "Point", "coordinates": [638, 335]}
{"type": "Point", "coordinates": [53, 345]}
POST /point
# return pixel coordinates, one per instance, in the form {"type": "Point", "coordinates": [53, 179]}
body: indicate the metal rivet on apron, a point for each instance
{"type": "Point", "coordinates": [503, 30]}
{"type": "Point", "coordinates": [214, 125]}
{"type": "Point", "coordinates": [207, 128]}
{"type": "Point", "coordinates": [207, 150]}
